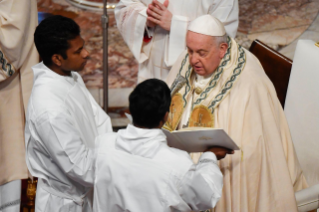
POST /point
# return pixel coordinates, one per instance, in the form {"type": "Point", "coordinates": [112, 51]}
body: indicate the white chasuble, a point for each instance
{"type": "Point", "coordinates": [62, 122]}
{"type": "Point", "coordinates": [265, 174]}
{"type": "Point", "coordinates": [301, 107]}
{"type": "Point", "coordinates": [156, 57]}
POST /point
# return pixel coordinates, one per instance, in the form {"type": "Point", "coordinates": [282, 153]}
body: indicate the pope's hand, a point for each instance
{"type": "Point", "coordinates": [158, 14]}
{"type": "Point", "coordinates": [220, 152]}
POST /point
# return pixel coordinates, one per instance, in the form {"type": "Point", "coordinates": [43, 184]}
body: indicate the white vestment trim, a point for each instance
{"type": "Point", "coordinates": [10, 196]}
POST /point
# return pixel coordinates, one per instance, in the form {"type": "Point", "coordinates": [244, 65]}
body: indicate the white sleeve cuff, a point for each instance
{"type": "Point", "coordinates": [143, 12]}
{"type": "Point", "coordinates": [208, 157]}
{"type": "Point", "coordinates": [177, 39]}
{"type": "Point", "coordinates": [149, 31]}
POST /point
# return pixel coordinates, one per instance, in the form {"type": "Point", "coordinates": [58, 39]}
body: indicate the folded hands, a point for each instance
{"type": "Point", "coordinates": [158, 14]}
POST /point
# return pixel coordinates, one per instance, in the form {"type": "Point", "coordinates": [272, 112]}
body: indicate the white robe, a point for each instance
{"type": "Point", "coordinates": [265, 174]}
{"type": "Point", "coordinates": [156, 57]}
{"type": "Point", "coordinates": [136, 171]}
{"type": "Point", "coordinates": [62, 123]}
{"type": "Point", "coordinates": [18, 20]}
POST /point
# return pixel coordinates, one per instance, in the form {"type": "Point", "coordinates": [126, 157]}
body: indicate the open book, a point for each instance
{"type": "Point", "coordinates": [196, 139]}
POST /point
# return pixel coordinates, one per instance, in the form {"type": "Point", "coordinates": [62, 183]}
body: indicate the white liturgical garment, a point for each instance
{"type": "Point", "coordinates": [157, 56]}
{"type": "Point", "coordinates": [136, 171]}
{"type": "Point", "coordinates": [302, 108]}
{"type": "Point", "coordinates": [265, 174]}
{"type": "Point", "coordinates": [62, 123]}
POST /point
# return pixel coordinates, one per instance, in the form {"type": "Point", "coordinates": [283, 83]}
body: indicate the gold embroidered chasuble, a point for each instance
{"type": "Point", "coordinates": [265, 175]}
{"type": "Point", "coordinates": [202, 106]}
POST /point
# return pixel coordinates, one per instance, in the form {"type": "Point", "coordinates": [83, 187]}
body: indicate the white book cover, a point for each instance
{"type": "Point", "coordinates": [196, 139]}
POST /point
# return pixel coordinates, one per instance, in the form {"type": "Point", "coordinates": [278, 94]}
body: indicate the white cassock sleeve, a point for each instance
{"type": "Point", "coordinates": [65, 147]}
{"type": "Point", "coordinates": [102, 120]}
{"type": "Point", "coordinates": [201, 187]}
{"type": "Point", "coordinates": [131, 21]}
{"type": "Point", "coordinates": [227, 12]}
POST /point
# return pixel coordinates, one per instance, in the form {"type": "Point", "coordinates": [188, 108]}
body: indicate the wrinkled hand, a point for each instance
{"type": "Point", "coordinates": [220, 152]}
{"type": "Point", "coordinates": [148, 12]}
{"type": "Point", "coordinates": [158, 14]}
{"type": "Point", "coordinates": [150, 23]}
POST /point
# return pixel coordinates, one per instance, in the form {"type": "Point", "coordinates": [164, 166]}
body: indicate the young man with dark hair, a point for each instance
{"type": "Point", "coordinates": [136, 171]}
{"type": "Point", "coordinates": [63, 120]}
{"type": "Point", "coordinates": [149, 104]}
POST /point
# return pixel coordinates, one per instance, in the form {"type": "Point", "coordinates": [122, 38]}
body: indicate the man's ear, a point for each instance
{"type": "Point", "coordinates": [163, 121]}
{"type": "Point", "coordinates": [222, 50]}
{"type": "Point", "coordinates": [57, 59]}
{"type": "Point", "coordinates": [165, 117]}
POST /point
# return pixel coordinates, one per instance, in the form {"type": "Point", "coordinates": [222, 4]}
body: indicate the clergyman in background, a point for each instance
{"type": "Point", "coordinates": [155, 30]}
{"type": "Point", "coordinates": [18, 20]}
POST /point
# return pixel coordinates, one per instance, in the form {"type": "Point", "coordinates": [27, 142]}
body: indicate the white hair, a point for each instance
{"type": "Point", "coordinates": [220, 39]}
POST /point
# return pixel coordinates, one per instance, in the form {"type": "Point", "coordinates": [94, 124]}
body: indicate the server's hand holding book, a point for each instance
{"type": "Point", "coordinates": [199, 139]}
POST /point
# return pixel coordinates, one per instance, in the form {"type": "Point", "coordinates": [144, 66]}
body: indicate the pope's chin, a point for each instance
{"type": "Point", "coordinates": [200, 71]}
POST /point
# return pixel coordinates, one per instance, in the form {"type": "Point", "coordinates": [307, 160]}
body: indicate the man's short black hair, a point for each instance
{"type": "Point", "coordinates": [149, 103]}
{"type": "Point", "coordinates": [52, 36]}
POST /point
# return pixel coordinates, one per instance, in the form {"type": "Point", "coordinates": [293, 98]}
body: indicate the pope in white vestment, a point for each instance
{"type": "Point", "coordinates": [156, 57]}
{"type": "Point", "coordinates": [137, 171]}
{"type": "Point", "coordinates": [239, 97]}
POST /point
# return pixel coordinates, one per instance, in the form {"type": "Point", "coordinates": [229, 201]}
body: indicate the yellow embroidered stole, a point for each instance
{"type": "Point", "coordinates": [202, 114]}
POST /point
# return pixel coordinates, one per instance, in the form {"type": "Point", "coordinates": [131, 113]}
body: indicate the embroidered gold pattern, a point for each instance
{"type": "Point", "coordinates": [176, 111]}
{"type": "Point", "coordinates": [201, 116]}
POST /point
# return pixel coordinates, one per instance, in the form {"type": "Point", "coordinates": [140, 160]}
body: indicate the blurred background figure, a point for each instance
{"type": "Point", "coordinates": [163, 25]}
{"type": "Point", "coordinates": [18, 19]}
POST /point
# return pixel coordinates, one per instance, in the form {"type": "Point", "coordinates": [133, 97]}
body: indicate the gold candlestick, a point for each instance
{"type": "Point", "coordinates": [31, 192]}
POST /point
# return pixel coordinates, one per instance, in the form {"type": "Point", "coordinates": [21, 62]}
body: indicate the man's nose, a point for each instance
{"type": "Point", "coordinates": [85, 54]}
{"type": "Point", "coordinates": [194, 59]}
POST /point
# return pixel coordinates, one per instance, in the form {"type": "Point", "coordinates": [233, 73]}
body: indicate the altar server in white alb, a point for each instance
{"type": "Point", "coordinates": [163, 24]}
{"type": "Point", "coordinates": [219, 84]}
{"type": "Point", "coordinates": [136, 171]}
{"type": "Point", "coordinates": [62, 120]}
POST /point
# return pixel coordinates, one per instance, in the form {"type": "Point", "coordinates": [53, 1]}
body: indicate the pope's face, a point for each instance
{"type": "Point", "coordinates": [77, 55]}
{"type": "Point", "coordinates": [204, 53]}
